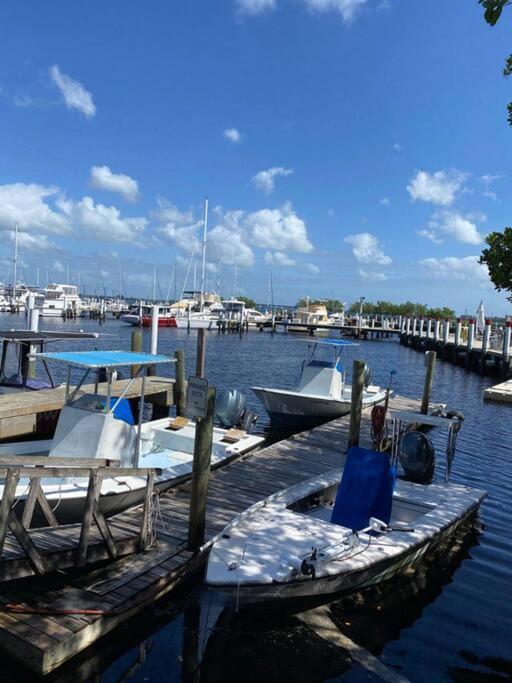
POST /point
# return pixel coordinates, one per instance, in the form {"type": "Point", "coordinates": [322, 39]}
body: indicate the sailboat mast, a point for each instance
{"type": "Point", "coordinates": [154, 283]}
{"type": "Point", "coordinates": [203, 268]}
{"type": "Point", "coordinates": [234, 279]}
{"type": "Point", "coordinates": [15, 264]}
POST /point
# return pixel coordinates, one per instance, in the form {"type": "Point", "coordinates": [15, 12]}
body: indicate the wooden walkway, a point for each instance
{"type": "Point", "coordinates": [34, 631]}
{"type": "Point", "coordinates": [27, 413]}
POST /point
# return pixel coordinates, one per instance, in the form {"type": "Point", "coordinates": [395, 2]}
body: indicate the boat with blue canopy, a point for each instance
{"type": "Point", "coordinates": [324, 392]}
{"type": "Point", "coordinates": [101, 425]}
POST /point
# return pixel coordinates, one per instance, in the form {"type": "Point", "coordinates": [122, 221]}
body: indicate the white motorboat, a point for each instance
{"type": "Point", "coordinates": [323, 537]}
{"type": "Point", "coordinates": [323, 393]}
{"type": "Point", "coordinates": [98, 426]}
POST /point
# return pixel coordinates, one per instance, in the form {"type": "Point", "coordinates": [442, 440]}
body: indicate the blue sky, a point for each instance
{"type": "Point", "coordinates": [359, 146]}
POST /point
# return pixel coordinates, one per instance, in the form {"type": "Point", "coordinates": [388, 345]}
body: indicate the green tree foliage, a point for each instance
{"type": "Point", "coordinates": [492, 12]}
{"type": "Point", "coordinates": [406, 308]}
{"type": "Point", "coordinates": [498, 259]}
{"type": "Point", "coordinates": [249, 303]}
{"type": "Point", "coordinates": [332, 305]}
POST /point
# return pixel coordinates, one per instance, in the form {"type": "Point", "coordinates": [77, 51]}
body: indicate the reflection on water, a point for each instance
{"type": "Point", "coordinates": [451, 620]}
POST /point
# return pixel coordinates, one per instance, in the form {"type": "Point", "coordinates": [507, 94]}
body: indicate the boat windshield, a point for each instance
{"type": "Point", "coordinates": [327, 352]}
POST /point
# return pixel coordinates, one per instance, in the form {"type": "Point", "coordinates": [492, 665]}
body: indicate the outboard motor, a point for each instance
{"type": "Point", "coordinates": [231, 410]}
{"type": "Point", "coordinates": [417, 457]}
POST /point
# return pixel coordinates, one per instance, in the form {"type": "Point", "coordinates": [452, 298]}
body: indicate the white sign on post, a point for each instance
{"type": "Point", "coordinates": [197, 397]}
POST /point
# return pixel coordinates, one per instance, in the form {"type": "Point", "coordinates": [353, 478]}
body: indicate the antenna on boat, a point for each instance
{"type": "Point", "coordinates": [203, 267]}
{"type": "Point", "coordinates": [234, 278]}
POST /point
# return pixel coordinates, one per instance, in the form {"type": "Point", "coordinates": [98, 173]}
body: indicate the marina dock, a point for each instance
{"type": "Point", "coordinates": [31, 413]}
{"type": "Point", "coordinates": [43, 624]}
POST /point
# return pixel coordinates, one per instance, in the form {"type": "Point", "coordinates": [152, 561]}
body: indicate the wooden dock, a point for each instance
{"type": "Point", "coordinates": [29, 413]}
{"type": "Point", "coordinates": [46, 622]}
{"type": "Point", "coordinates": [356, 331]}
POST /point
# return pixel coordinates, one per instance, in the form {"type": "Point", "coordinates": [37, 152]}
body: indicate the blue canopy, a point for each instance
{"type": "Point", "coordinates": [104, 359]}
{"type": "Point", "coordinates": [331, 342]}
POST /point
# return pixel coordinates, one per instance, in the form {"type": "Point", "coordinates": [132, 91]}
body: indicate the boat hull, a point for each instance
{"type": "Point", "coordinates": [196, 323]}
{"type": "Point", "coordinates": [288, 409]}
{"type": "Point", "coordinates": [349, 582]}
{"type": "Point", "coordinates": [169, 321]}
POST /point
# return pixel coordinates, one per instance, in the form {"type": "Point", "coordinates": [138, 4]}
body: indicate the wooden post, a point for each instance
{"type": "Point", "coordinates": [429, 328]}
{"type": "Point", "coordinates": [408, 326]}
{"type": "Point", "coordinates": [471, 337]}
{"type": "Point", "coordinates": [437, 324]}
{"type": "Point", "coordinates": [137, 348]}
{"type": "Point", "coordinates": [201, 352]}
{"type": "Point", "coordinates": [179, 387]}
{"type": "Point", "coordinates": [154, 330]}
{"type": "Point", "coordinates": [414, 326]}
{"type": "Point", "coordinates": [356, 402]}
{"type": "Point", "coordinates": [430, 360]}
{"type": "Point", "coordinates": [456, 343]}
{"type": "Point", "coordinates": [485, 345]}
{"type": "Point", "coordinates": [506, 349]}
{"type": "Point", "coordinates": [200, 475]}
{"type": "Point", "coordinates": [420, 327]}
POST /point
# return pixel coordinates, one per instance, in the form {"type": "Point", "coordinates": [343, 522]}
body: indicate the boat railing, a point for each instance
{"type": "Point", "coordinates": [15, 468]}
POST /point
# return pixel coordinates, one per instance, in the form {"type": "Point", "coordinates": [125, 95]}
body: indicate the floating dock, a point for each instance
{"type": "Point", "coordinates": [499, 392]}
{"type": "Point", "coordinates": [46, 622]}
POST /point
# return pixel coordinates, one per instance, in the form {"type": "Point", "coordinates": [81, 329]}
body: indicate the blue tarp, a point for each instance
{"type": "Point", "coordinates": [366, 489]}
{"type": "Point", "coordinates": [104, 359]}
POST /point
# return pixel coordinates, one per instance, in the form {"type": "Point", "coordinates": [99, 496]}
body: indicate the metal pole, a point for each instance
{"type": "Point", "coordinates": [356, 402]}
{"type": "Point", "coordinates": [139, 424]}
{"type": "Point", "coordinates": [203, 265]}
{"type": "Point", "coordinates": [430, 361]}
{"type": "Point", "coordinates": [200, 475]}
{"type": "Point", "coordinates": [154, 330]}
{"type": "Point", "coordinates": [201, 352]}
{"type": "Point", "coordinates": [34, 327]}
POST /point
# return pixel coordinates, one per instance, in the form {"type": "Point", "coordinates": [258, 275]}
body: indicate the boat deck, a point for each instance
{"type": "Point", "coordinates": [42, 639]}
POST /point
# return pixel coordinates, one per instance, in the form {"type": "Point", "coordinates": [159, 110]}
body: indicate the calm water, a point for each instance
{"type": "Point", "coordinates": [451, 621]}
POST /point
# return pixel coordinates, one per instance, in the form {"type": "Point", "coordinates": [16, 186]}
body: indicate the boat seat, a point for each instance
{"type": "Point", "coordinates": [366, 489]}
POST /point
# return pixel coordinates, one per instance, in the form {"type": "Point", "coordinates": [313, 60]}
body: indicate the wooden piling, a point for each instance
{"type": "Point", "coordinates": [200, 475]}
{"type": "Point", "coordinates": [356, 402]}
{"type": "Point", "coordinates": [201, 352]}
{"type": "Point", "coordinates": [137, 348]}
{"type": "Point", "coordinates": [180, 382]}
{"type": "Point", "coordinates": [430, 360]}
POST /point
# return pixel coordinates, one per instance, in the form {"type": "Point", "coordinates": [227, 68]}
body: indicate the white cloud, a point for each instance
{"type": "Point", "coordinates": [453, 267]}
{"type": "Point", "coordinates": [228, 246]}
{"type": "Point", "coordinates": [74, 93]}
{"type": "Point", "coordinates": [255, 6]}
{"type": "Point", "coordinates": [33, 242]}
{"type": "Point", "coordinates": [232, 134]}
{"type": "Point", "coordinates": [488, 179]}
{"type": "Point", "coordinates": [278, 258]}
{"type": "Point", "coordinates": [102, 178]}
{"type": "Point", "coordinates": [347, 8]}
{"type": "Point", "coordinates": [430, 235]}
{"type": "Point", "coordinates": [385, 201]}
{"type": "Point", "coordinates": [439, 188]}
{"type": "Point", "coordinates": [490, 195]}
{"type": "Point", "coordinates": [102, 222]}
{"type": "Point", "coordinates": [397, 147]}
{"type": "Point", "coordinates": [278, 229]}
{"type": "Point", "coordinates": [372, 276]}
{"type": "Point", "coordinates": [461, 228]}
{"type": "Point", "coordinates": [58, 267]}
{"type": "Point", "coordinates": [27, 204]}
{"type": "Point", "coordinates": [366, 249]}
{"type": "Point", "coordinates": [264, 180]}
{"type": "Point", "coordinates": [312, 268]}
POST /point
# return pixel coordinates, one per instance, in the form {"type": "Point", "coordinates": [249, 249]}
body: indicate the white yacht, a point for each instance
{"type": "Point", "coordinates": [59, 301]}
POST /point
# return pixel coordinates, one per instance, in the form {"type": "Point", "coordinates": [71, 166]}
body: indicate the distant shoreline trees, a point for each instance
{"type": "Point", "coordinates": [405, 309]}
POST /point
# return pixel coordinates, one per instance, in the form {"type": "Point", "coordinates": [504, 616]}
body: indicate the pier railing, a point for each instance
{"type": "Point", "coordinates": [14, 468]}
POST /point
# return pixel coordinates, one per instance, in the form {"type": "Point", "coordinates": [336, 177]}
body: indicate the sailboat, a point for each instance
{"type": "Point", "coordinates": [205, 318]}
